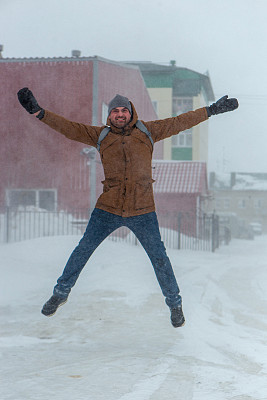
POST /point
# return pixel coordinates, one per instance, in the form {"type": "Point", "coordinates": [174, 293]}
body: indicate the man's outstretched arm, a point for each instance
{"type": "Point", "coordinates": [72, 130]}
{"type": "Point", "coordinates": [161, 129]}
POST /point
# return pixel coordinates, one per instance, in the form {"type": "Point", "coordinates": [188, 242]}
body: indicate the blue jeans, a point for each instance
{"type": "Point", "coordinates": [146, 229]}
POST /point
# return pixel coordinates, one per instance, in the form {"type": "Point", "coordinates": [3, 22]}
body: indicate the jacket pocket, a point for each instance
{"type": "Point", "coordinates": [143, 194]}
{"type": "Point", "coordinates": [111, 193]}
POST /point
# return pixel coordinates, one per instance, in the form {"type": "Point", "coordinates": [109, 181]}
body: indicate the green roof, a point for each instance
{"type": "Point", "coordinates": [183, 81]}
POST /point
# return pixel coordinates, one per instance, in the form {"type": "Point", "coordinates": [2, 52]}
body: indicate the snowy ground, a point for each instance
{"type": "Point", "coordinates": [113, 339]}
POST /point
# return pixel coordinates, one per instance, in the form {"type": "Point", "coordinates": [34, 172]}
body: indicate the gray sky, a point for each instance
{"type": "Point", "coordinates": [225, 37]}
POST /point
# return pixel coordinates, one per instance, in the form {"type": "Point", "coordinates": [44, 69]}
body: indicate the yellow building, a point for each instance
{"type": "Point", "coordinates": [174, 90]}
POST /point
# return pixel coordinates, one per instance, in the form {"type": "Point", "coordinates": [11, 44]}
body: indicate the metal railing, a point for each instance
{"type": "Point", "coordinates": [182, 231]}
{"type": "Point", "coordinates": [18, 224]}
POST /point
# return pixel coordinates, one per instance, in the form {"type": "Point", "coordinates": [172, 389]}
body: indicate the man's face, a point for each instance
{"type": "Point", "coordinates": [120, 117]}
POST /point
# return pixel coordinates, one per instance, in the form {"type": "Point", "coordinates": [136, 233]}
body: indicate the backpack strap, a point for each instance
{"type": "Point", "coordinates": [102, 136]}
{"type": "Point", "coordinates": [139, 124]}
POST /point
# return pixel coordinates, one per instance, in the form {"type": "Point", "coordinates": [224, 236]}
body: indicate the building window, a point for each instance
{"type": "Point", "coordinates": [258, 203]}
{"type": "Point", "coordinates": [218, 204]}
{"type": "Point", "coordinates": [155, 105]}
{"type": "Point", "coordinates": [223, 203]}
{"type": "Point", "coordinates": [45, 199]}
{"type": "Point", "coordinates": [183, 139]}
{"type": "Point", "coordinates": [241, 203]}
{"type": "Point", "coordinates": [181, 105]}
{"type": "Point", "coordinates": [104, 113]}
{"type": "Point", "coordinates": [226, 203]}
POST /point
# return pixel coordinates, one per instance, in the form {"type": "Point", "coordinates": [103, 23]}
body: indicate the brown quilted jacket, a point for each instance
{"type": "Point", "coordinates": [126, 156]}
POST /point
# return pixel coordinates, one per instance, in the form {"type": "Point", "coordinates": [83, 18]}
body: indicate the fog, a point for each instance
{"type": "Point", "coordinates": [226, 38]}
{"type": "Point", "coordinates": [114, 340]}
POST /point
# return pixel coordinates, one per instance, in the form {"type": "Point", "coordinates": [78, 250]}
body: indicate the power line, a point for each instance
{"type": "Point", "coordinates": [247, 99]}
{"type": "Point", "coordinates": [247, 96]}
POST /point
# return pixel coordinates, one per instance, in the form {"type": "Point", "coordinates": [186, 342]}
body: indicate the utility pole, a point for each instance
{"type": "Point", "coordinates": [90, 154]}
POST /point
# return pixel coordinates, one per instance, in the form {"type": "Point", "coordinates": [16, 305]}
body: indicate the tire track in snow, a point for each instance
{"type": "Point", "coordinates": [146, 387]}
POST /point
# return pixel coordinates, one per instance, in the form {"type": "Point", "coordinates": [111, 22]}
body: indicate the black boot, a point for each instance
{"type": "Point", "coordinates": [51, 306]}
{"type": "Point", "coordinates": [177, 316]}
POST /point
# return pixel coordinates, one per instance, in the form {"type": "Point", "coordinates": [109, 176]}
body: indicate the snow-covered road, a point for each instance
{"type": "Point", "coordinates": [113, 339]}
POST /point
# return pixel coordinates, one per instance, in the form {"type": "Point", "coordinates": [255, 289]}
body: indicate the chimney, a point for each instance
{"type": "Point", "coordinates": [1, 49]}
{"type": "Point", "coordinates": [75, 53]}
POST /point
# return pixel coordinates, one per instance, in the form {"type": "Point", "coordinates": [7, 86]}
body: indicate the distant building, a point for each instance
{"type": "Point", "coordinates": [173, 91]}
{"type": "Point", "coordinates": [38, 166]}
{"type": "Point", "coordinates": [244, 194]}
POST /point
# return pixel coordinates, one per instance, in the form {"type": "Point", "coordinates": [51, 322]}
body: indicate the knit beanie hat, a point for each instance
{"type": "Point", "coordinates": [119, 101]}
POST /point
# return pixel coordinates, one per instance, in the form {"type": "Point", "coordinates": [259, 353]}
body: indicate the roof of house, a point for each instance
{"type": "Point", "coordinates": [66, 59]}
{"type": "Point", "coordinates": [183, 81]}
{"type": "Point", "coordinates": [180, 177]}
{"type": "Point", "coordinates": [239, 181]}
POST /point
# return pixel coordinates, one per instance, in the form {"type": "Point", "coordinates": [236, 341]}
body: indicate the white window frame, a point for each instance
{"type": "Point", "coordinates": [183, 139]}
{"type": "Point", "coordinates": [37, 193]}
{"type": "Point", "coordinates": [155, 105]}
{"type": "Point", "coordinates": [181, 105]}
{"type": "Point", "coordinates": [104, 113]}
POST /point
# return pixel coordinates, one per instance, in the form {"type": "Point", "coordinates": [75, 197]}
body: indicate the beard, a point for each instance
{"type": "Point", "coordinates": [120, 123]}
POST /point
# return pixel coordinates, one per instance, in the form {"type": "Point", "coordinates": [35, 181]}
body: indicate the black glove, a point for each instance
{"type": "Point", "coordinates": [221, 106]}
{"type": "Point", "coordinates": [28, 101]}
